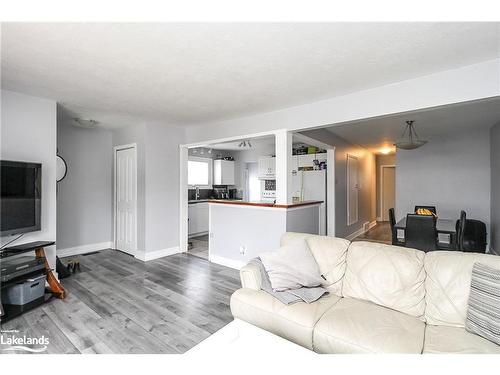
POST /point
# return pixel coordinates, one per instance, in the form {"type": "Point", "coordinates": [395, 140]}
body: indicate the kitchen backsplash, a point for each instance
{"type": "Point", "coordinates": [213, 193]}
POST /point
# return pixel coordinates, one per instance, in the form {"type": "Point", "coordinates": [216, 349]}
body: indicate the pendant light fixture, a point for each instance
{"type": "Point", "coordinates": [410, 139]}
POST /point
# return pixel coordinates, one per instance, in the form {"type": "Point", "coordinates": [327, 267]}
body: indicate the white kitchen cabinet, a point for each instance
{"type": "Point", "coordinates": [267, 167]}
{"type": "Point", "coordinates": [198, 218]}
{"type": "Point", "coordinates": [223, 172]}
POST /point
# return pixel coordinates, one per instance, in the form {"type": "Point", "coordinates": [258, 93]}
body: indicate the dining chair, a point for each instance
{"type": "Point", "coordinates": [460, 229]}
{"type": "Point", "coordinates": [394, 232]}
{"type": "Point", "coordinates": [430, 208]}
{"type": "Point", "coordinates": [421, 232]}
{"type": "Point", "coordinates": [474, 236]}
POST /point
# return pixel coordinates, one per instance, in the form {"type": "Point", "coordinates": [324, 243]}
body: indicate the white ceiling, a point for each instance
{"type": "Point", "coordinates": [378, 133]}
{"type": "Point", "coordinates": [188, 73]}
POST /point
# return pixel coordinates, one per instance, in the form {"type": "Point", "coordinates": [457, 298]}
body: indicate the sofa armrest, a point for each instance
{"type": "Point", "coordinates": [250, 277]}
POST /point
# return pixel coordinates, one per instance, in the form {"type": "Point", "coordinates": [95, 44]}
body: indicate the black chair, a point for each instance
{"type": "Point", "coordinates": [430, 208]}
{"type": "Point", "coordinates": [420, 232]}
{"type": "Point", "coordinates": [394, 232]}
{"type": "Point", "coordinates": [460, 228]}
{"type": "Point", "coordinates": [474, 236]}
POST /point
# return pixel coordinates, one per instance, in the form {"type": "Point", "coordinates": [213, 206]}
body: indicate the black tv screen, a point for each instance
{"type": "Point", "coordinates": [20, 197]}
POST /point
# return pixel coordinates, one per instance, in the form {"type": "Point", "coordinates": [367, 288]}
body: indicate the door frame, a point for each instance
{"type": "Point", "coordinates": [115, 151]}
{"type": "Point", "coordinates": [348, 183]}
{"type": "Point", "coordinates": [382, 188]}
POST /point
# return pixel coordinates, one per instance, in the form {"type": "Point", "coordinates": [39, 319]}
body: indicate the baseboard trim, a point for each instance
{"type": "Point", "coordinates": [355, 234]}
{"type": "Point", "coordinates": [361, 231]}
{"type": "Point", "coordinates": [227, 262]}
{"type": "Point", "coordinates": [152, 255]}
{"type": "Point", "coordinates": [83, 249]}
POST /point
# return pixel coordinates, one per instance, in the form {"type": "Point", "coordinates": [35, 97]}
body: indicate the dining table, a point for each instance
{"type": "Point", "coordinates": [445, 226]}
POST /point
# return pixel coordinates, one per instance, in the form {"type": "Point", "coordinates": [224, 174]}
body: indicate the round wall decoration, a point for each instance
{"type": "Point", "coordinates": [61, 168]}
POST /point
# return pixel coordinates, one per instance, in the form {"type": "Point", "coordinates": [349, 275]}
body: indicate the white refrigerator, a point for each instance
{"type": "Point", "coordinates": [311, 185]}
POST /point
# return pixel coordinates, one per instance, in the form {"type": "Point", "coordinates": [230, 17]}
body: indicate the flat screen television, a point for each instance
{"type": "Point", "coordinates": [20, 197]}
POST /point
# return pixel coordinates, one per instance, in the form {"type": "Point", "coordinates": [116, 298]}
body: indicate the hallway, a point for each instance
{"type": "Point", "coordinates": [379, 233]}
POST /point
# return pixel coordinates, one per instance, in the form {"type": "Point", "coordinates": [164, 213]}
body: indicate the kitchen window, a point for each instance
{"type": "Point", "coordinates": [200, 172]}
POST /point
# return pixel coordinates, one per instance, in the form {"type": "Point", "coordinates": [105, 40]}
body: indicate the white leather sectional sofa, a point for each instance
{"type": "Point", "coordinates": [383, 299]}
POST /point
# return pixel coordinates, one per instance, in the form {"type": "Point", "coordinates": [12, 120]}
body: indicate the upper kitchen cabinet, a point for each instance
{"type": "Point", "coordinates": [223, 172]}
{"type": "Point", "coordinates": [267, 168]}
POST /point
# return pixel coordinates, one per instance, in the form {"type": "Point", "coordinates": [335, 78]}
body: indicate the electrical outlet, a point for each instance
{"type": "Point", "coordinates": [212, 234]}
{"type": "Point", "coordinates": [243, 249]}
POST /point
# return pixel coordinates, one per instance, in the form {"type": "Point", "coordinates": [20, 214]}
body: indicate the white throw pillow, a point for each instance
{"type": "Point", "coordinates": [291, 267]}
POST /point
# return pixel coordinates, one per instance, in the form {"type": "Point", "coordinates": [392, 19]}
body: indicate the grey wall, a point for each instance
{"type": "Point", "coordinates": [379, 161]}
{"type": "Point", "coordinates": [28, 133]}
{"type": "Point", "coordinates": [84, 197]}
{"type": "Point", "coordinates": [366, 178]}
{"type": "Point", "coordinates": [162, 186]}
{"type": "Point", "coordinates": [495, 189]}
{"type": "Point", "coordinates": [451, 172]}
{"type": "Point", "coordinates": [157, 183]}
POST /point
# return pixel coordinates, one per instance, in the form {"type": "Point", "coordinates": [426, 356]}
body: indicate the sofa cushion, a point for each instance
{"type": "Point", "coordinates": [445, 339]}
{"type": "Point", "coordinates": [356, 326]}
{"type": "Point", "coordinates": [483, 310]}
{"type": "Point", "coordinates": [448, 285]}
{"type": "Point", "coordinates": [290, 238]}
{"type": "Point", "coordinates": [330, 254]}
{"type": "Point", "coordinates": [291, 267]}
{"type": "Point", "coordinates": [294, 322]}
{"type": "Point", "coordinates": [387, 275]}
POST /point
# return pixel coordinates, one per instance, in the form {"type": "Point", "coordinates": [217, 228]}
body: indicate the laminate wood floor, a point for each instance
{"type": "Point", "coordinates": [379, 233]}
{"type": "Point", "coordinates": [118, 304]}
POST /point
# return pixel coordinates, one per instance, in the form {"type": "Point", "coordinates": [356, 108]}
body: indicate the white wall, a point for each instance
{"type": "Point", "coordinates": [28, 133]}
{"type": "Point", "coordinates": [453, 86]}
{"type": "Point", "coordinates": [495, 189]}
{"type": "Point", "coordinates": [367, 199]}
{"type": "Point", "coordinates": [84, 197]}
{"type": "Point", "coordinates": [451, 172]}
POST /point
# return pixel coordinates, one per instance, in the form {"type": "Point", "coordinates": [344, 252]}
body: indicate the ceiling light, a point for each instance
{"type": "Point", "coordinates": [89, 124]}
{"type": "Point", "coordinates": [386, 150]}
{"type": "Point", "coordinates": [245, 143]}
{"type": "Point", "coordinates": [410, 139]}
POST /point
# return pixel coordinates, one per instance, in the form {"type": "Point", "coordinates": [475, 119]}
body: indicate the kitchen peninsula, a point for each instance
{"type": "Point", "coordinates": [240, 230]}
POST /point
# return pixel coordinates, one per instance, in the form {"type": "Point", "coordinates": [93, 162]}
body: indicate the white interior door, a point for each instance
{"type": "Point", "coordinates": [126, 199]}
{"type": "Point", "coordinates": [352, 190]}
{"type": "Point", "coordinates": [388, 190]}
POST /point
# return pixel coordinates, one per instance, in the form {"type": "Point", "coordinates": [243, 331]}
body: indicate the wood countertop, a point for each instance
{"type": "Point", "coordinates": [264, 204]}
